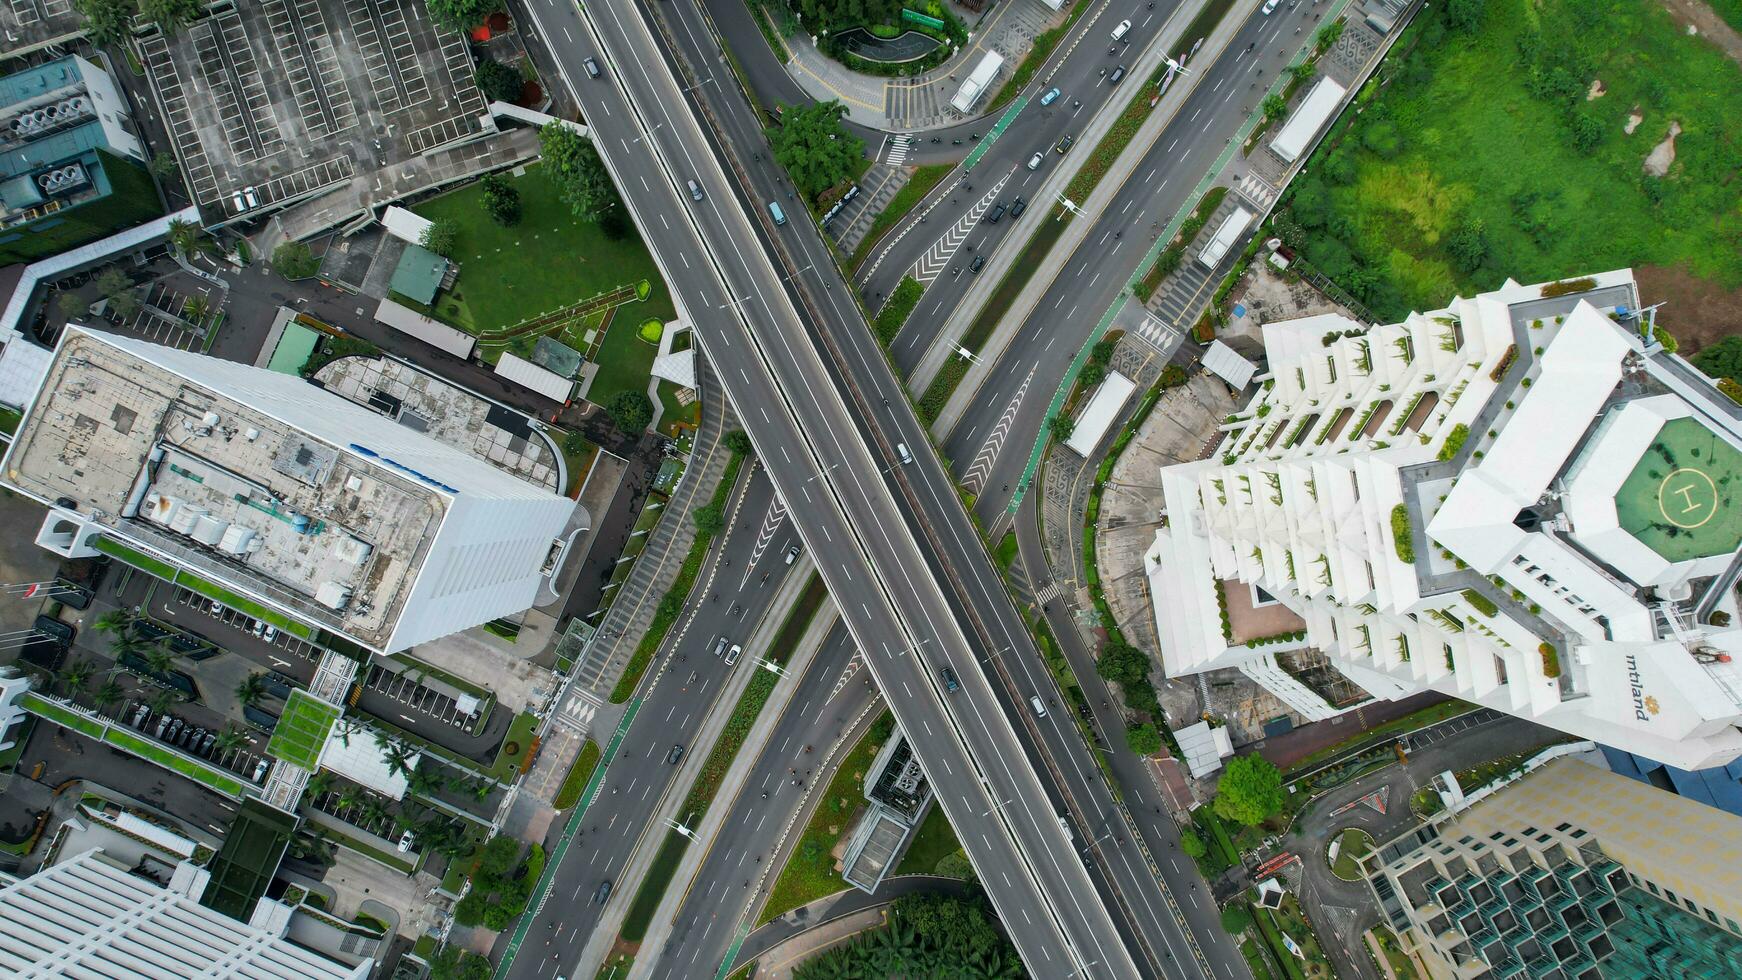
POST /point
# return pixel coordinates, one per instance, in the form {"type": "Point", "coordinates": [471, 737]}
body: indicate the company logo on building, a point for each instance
{"type": "Point", "coordinates": [1643, 707]}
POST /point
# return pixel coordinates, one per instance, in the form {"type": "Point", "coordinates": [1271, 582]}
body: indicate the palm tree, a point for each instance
{"type": "Point", "coordinates": [318, 787]}
{"type": "Point", "coordinates": [350, 799]}
{"type": "Point", "coordinates": [425, 779]}
{"type": "Point", "coordinates": [118, 620]}
{"type": "Point", "coordinates": [196, 309]}
{"type": "Point", "coordinates": [78, 674]}
{"type": "Point", "coordinates": [395, 753]}
{"type": "Point", "coordinates": [315, 847]}
{"type": "Point", "coordinates": [108, 694]}
{"type": "Point", "coordinates": [230, 739]}
{"type": "Point", "coordinates": [161, 700]}
{"type": "Point", "coordinates": [185, 237]}
{"type": "Point", "coordinates": [251, 689]}
{"type": "Point", "coordinates": [158, 658]}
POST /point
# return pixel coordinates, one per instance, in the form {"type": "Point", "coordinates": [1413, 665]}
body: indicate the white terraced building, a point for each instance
{"type": "Point", "coordinates": [1517, 500]}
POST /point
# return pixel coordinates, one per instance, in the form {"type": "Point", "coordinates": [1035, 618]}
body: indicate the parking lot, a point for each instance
{"type": "Point", "coordinates": [295, 659]}
{"type": "Point", "coordinates": [271, 102]}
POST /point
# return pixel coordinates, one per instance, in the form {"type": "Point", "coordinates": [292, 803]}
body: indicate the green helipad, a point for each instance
{"type": "Point", "coordinates": [302, 729]}
{"type": "Point", "coordinates": [1680, 499]}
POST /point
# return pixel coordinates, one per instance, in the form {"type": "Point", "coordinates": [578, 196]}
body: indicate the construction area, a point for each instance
{"type": "Point", "coordinates": [330, 105]}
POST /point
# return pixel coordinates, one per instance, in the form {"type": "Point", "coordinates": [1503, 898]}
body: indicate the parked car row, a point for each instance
{"type": "Point", "coordinates": [196, 740]}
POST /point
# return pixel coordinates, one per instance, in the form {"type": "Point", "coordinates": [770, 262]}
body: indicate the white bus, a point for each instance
{"type": "Point", "coordinates": [1217, 247]}
{"type": "Point", "coordinates": [979, 80]}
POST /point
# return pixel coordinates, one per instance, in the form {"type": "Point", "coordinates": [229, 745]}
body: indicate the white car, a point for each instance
{"type": "Point", "coordinates": [1270, 5]}
{"type": "Point", "coordinates": [1034, 161]}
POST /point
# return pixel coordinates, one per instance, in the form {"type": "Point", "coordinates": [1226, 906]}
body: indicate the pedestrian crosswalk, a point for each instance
{"type": "Point", "coordinates": [1257, 190]}
{"type": "Point", "coordinates": [1158, 334]}
{"type": "Point", "coordinates": [898, 148]}
{"type": "Point", "coordinates": [1048, 592]}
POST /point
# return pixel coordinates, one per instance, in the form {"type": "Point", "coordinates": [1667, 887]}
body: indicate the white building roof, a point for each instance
{"type": "Point", "coordinates": [352, 752]}
{"type": "Point", "coordinates": [1307, 119]}
{"type": "Point", "coordinates": [1204, 747]}
{"type": "Point", "coordinates": [431, 331]}
{"type": "Point", "coordinates": [406, 225]}
{"type": "Point", "coordinates": [1228, 364]}
{"type": "Point", "coordinates": [23, 366]}
{"type": "Point", "coordinates": [529, 375]}
{"type": "Point", "coordinates": [84, 917]}
{"type": "Point", "coordinates": [1098, 416]}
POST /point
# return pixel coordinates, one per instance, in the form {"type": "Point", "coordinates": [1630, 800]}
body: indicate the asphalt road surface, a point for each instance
{"type": "Point", "coordinates": [836, 482]}
{"type": "Point", "coordinates": [686, 690]}
{"type": "Point", "coordinates": [719, 902]}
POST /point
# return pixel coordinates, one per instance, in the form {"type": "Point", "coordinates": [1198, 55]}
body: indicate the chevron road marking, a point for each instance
{"type": "Point", "coordinates": [579, 710]}
{"type": "Point", "coordinates": [937, 258]}
{"type": "Point", "coordinates": [848, 672]}
{"type": "Point", "coordinates": [1158, 334]}
{"type": "Point", "coordinates": [770, 524]}
{"type": "Point", "coordinates": [994, 444]}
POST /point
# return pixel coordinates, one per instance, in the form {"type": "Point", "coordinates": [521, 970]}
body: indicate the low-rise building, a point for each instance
{"type": "Point", "coordinates": [1521, 500]}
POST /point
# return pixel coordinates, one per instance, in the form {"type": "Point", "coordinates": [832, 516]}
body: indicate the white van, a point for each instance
{"type": "Point", "coordinates": [1038, 705]}
{"type": "Point", "coordinates": [901, 450]}
{"type": "Point", "coordinates": [775, 212]}
{"type": "Point", "coordinates": [1123, 29]}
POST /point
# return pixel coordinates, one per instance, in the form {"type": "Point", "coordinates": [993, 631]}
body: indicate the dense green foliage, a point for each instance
{"type": "Point", "coordinates": [1250, 791]}
{"type": "Point", "coordinates": [580, 175]}
{"type": "Point", "coordinates": [898, 309]}
{"type": "Point", "coordinates": [817, 151]}
{"type": "Point", "coordinates": [498, 82]}
{"type": "Point", "coordinates": [501, 884]}
{"type": "Point", "coordinates": [927, 936]}
{"type": "Point", "coordinates": [1480, 154]}
{"type": "Point", "coordinates": [630, 411]}
{"type": "Point", "coordinates": [293, 260]}
{"type": "Point", "coordinates": [461, 15]}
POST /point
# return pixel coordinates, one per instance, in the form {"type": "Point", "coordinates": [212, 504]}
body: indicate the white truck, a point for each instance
{"type": "Point", "coordinates": [1226, 235]}
{"type": "Point", "coordinates": [979, 80]}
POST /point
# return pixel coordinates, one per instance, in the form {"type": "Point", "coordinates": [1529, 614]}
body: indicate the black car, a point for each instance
{"type": "Point", "coordinates": [602, 893]}
{"type": "Point", "coordinates": [1017, 207]}
{"type": "Point", "coordinates": [978, 264]}
{"type": "Point", "coordinates": [1117, 74]}
{"type": "Point", "coordinates": [952, 683]}
{"type": "Point", "coordinates": [673, 755]}
{"type": "Point", "coordinates": [1065, 142]}
{"type": "Point", "coordinates": [996, 214]}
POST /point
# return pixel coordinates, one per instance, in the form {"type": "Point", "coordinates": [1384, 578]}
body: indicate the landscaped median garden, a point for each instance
{"type": "Point", "coordinates": [710, 520]}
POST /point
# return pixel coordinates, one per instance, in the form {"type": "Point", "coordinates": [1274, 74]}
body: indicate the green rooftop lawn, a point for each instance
{"type": "Point", "coordinates": [625, 360]}
{"type": "Point", "coordinates": [1457, 139]}
{"type": "Point", "coordinates": [302, 729]}
{"type": "Point", "coordinates": [547, 261]}
{"type": "Point", "coordinates": [1680, 499]}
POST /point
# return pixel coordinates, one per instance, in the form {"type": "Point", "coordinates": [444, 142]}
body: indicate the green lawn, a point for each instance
{"type": "Point", "coordinates": [514, 747]}
{"type": "Point", "coordinates": [302, 729]}
{"type": "Point", "coordinates": [547, 261]}
{"type": "Point", "coordinates": [1478, 132]}
{"type": "Point", "coordinates": [810, 872]}
{"type": "Point", "coordinates": [932, 842]}
{"type": "Point", "coordinates": [625, 360]}
{"type": "Point", "coordinates": [580, 773]}
{"type": "Point", "coordinates": [1355, 843]}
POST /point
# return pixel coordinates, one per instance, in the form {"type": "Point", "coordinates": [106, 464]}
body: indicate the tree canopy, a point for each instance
{"type": "Point", "coordinates": [1721, 360]}
{"type": "Point", "coordinates": [1123, 664]}
{"type": "Point", "coordinates": [498, 82]}
{"type": "Point", "coordinates": [106, 21]}
{"type": "Point", "coordinates": [1144, 739]}
{"type": "Point", "coordinates": [630, 411]}
{"type": "Point", "coordinates": [928, 935]}
{"type": "Point", "coordinates": [580, 174]}
{"type": "Point", "coordinates": [1250, 791]}
{"type": "Point", "coordinates": [170, 15]}
{"type": "Point", "coordinates": [815, 148]}
{"type": "Point", "coordinates": [460, 15]}
{"type": "Point", "coordinates": [501, 199]}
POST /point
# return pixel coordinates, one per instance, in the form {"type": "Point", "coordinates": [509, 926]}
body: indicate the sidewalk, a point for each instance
{"type": "Point", "coordinates": [943, 345]}
{"type": "Point", "coordinates": [672, 796]}
{"type": "Point", "coordinates": [921, 102]}
{"type": "Point", "coordinates": [659, 930]}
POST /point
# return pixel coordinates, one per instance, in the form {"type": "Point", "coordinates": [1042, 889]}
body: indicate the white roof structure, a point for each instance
{"type": "Point", "coordinates": [86, 917]}
{"type": "Point", "coordinates": [1547, 534]}
{"type": "Point", "coordinates": [1204, 747]}
{"type": "Point", "coordinates": [291, 496]}
{"type": "Point", "coordinates": [405, 225]}
{"type": "Point", "coordinates": [975, 85]}
{"type": "Point", "coordinates": [1098, 416]}
{"type": "Point", "coordinates": [1308, 118]}
{"type": "Point", "coordinates": [1228, 364]}
{"type": "Point", "coordinates": [530, 376]}
{"type": "Point", "coordinates": [352, 752]}
{"type": "Point", "coordinates": [23, 365]}
{"type": "Point", "coordinates": [427, 329]}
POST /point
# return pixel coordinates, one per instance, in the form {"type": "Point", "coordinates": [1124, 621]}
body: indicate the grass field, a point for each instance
{"type": "Point", "coordinates": [625, 360]}
{"type": "Point", "coordinates": [932, 842]}
{"type": "Point", "coordinates": [1355, 843]}
{"type": "Point", "coordinates": [547, 261]}
{"type": "Point", "coordinates": [302, 729]}
{"type": "Point", "coordinates": [515, 745]}
{"type": "Point", "coordinates": [1483, 157]}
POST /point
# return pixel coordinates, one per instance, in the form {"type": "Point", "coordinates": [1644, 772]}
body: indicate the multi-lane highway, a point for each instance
{"type": "Point", "coordinates": [838, 482]}
{"type": "Point", "coordinates": [735, 589]}
{"type": "Point", "coordinates": [1127, 881]}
